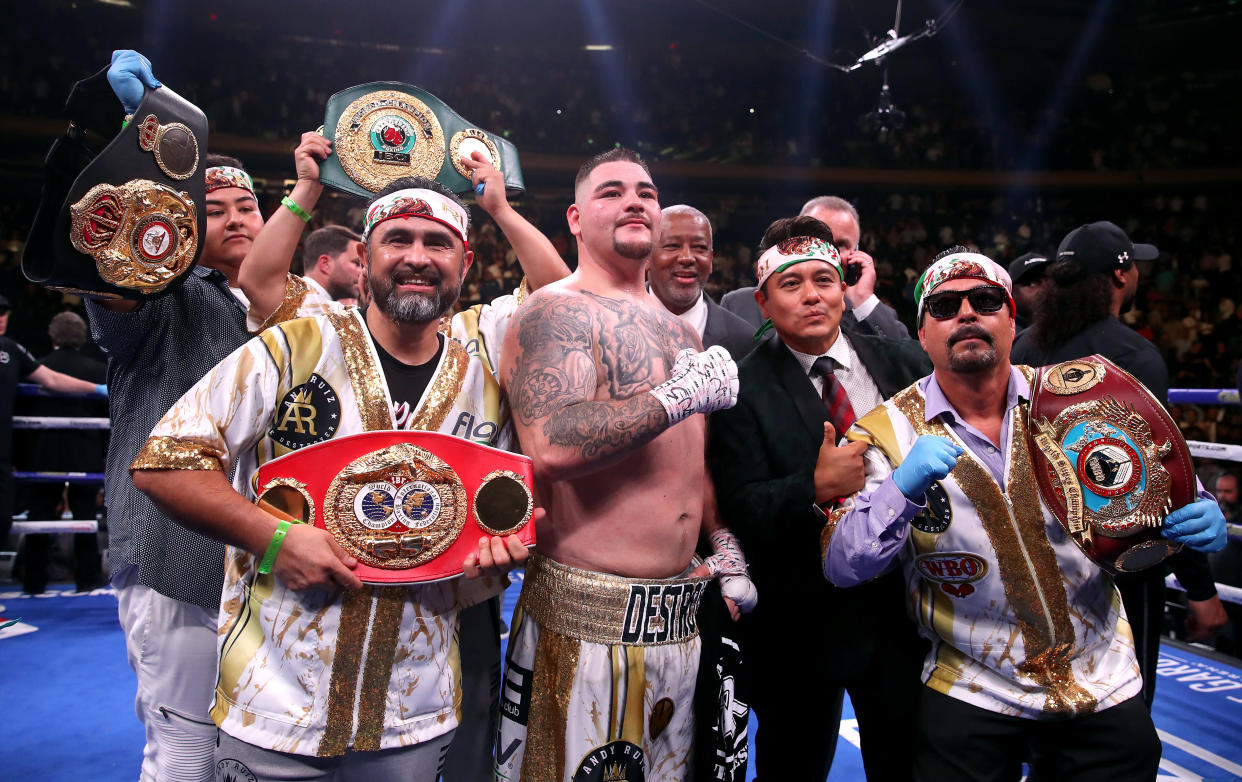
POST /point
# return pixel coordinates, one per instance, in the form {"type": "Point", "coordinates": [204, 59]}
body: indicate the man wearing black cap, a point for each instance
{"type": "Point", "coordinates": [1027, 273]}
{"type": "Point", "coordinates": [1092, 281]}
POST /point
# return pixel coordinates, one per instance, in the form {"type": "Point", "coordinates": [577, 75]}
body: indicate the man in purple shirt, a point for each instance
{"type": "Point", "coordinates": [1031, 654]}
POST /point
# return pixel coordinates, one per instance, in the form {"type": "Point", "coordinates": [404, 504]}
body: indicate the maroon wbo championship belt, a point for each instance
{"type": "Point", "coordinates": [1109, 460]}
{"type": "Point", "coordinates": [409, 505]}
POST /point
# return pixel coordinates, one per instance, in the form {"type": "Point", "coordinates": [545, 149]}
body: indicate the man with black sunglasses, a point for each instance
{"type": "Point", "coordinates": [1031, 653]}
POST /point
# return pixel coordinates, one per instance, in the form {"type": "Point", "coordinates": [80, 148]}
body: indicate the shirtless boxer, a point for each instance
{"type": "Point", "coordinates": [605, 386]}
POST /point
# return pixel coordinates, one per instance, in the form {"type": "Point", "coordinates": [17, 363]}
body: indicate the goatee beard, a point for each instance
{"type": "Point", "coordinates": [975, 360]}
{"type": "Point", "coordinates": [413, 307]}
{"type": "Point", "coordinates": [636, 251]}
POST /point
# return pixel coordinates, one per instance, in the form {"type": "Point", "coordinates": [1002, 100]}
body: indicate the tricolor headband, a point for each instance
{"type": "Point", "coordinates": [957, 265]}
{"type": "Point", "coordinates": [797, 249]}
{"type": "Point", "coordinates": [418, 202]}
{"type": "Point", "coordinates": [227, 176]}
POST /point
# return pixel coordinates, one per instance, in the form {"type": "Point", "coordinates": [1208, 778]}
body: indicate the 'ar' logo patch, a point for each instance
{"type": "Point", "coordinates": [308, 414]}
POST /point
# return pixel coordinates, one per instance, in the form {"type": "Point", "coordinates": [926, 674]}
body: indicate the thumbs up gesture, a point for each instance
{"type": "Point", "coordinates": [839, 469]}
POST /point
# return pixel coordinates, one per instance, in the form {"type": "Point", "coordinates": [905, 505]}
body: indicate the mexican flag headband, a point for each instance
{"type": "Point", "coordinates": [418, 202]}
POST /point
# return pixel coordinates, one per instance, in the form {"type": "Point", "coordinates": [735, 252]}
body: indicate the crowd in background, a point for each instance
{"type": "Point", "coordinates": [674, 98]}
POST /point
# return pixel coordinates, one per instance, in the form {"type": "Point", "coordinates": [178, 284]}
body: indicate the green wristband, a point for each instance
{"type": "Point", "coordinates": [297, 210]}
{"type": "Point", "coordinates": [273, 548]}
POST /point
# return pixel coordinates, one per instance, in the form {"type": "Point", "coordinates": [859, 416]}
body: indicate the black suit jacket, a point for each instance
{"type": "Point", "coordinates": [727, 330]}
{"type": "Point", "coordinates": [762, 457]}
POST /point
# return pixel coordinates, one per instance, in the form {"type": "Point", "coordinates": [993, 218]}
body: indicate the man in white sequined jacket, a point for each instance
{"type": "Point", "coordinates": [317, 671]}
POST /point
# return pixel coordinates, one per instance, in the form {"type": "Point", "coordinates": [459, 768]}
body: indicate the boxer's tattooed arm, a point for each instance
{"type": "Point", "coordinates": [637, 346]}
{"type": "Point", "coordinates": [565, 343]}
{"type": "Point", "coordinates": [597, 430]}
{"type": "Point", "coordinates": [554, 366]}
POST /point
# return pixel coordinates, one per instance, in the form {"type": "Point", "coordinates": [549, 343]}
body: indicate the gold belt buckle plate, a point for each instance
{"type": "Point", "coordinates": [141, 234]}
{"type": "Point", "coordinates": [397, 507]}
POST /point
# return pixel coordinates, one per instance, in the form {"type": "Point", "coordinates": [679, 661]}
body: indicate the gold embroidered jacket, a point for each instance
{"type": "Point", "coordinates": [315, 672]}
{"type": "Point", "coordinates": [1021, 621]}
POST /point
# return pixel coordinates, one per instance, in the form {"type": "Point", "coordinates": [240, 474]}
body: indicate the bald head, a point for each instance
{"type": "Point", "coordinates": [839, 215]}
{"type": "Point", "coordinates": [1227, 490]}
{"type": "Point", "coordinates": [829, 203]}
{"type": "Point", "coordinates": [687, 211]}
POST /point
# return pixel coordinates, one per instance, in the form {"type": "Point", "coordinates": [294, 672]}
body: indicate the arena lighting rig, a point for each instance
{"type": "Point", "coordinates": [885, 116]}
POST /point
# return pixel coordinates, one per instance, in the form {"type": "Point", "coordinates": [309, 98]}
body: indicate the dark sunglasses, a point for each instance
{"type": "Point", "coordinates": [984, 299]}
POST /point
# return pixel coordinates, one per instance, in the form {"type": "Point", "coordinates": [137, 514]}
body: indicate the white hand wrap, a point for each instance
{"type": "Point", "coordinates": [698, 383]}
{"type": "Point", "coordinates": [729, 565]}
{"type": "Point", "coordinates": [741, 590]}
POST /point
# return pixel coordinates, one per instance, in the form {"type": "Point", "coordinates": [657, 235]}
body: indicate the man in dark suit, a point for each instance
{"type": "Point", "coordinates": [74, 450]}
{"type": "Point", "coordinates": [680, 265]}
{"type": "Point", "coordinates": [862, 307]}
{"type": "Point", "coordinates": [775, 464]}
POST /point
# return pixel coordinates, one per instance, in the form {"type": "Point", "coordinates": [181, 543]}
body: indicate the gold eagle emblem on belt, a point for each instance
{"type": "Point", "coordinates": [142, 234]}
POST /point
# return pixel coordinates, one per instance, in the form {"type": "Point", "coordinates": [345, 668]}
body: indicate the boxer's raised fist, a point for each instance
{"type": "Point", "coordinates": [698, 383]}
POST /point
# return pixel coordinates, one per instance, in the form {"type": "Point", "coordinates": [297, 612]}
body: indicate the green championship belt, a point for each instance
{"type": "Point", "coordinates": [386, 130]}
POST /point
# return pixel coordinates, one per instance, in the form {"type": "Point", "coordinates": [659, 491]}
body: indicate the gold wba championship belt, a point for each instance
{"type": "Point", "coordinates": [409, 505]}
{"type": "Point", "coordinates": [1109, 461]}
{"type": "Point", "coordinates": [385, 130]}
{"type": "Point", "coordinates": [121, 214]}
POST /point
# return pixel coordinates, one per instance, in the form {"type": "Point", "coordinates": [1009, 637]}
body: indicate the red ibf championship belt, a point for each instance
{"type": "Point", "coordinates": [409, 505]}
{"type": "Point", "coordinates": [1109, 460]}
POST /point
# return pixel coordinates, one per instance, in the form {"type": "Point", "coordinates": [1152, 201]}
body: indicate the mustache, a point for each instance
{"type": "Point", "coordinates": [628, 217]}
{"type": "Point", "coordinates": [970, 331]}
{"type": "Point", "coordinates": [406, 274]}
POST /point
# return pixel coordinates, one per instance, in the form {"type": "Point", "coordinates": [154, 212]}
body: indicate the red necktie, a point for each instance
{"type": "Point", "coordinates": [840, 413]}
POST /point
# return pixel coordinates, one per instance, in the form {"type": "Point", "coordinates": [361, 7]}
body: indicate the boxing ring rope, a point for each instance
{"type": "Point", "coordinates": [1228, 594]}
{"type": "Point", "coordinates": [34, 389]}
{"type": "Point", "coordinates": [1202, 450]}
{"type": "Point", "coordinates": [58, 526]}
{"type": "Point", "coordinates": [1203, 396]}
{"type": "Point", "coordinates": [54, 422]}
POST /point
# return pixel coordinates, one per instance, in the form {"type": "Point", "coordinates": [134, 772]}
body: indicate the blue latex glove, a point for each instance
{"type": "Point", "coordinates": [100, 388]}
{"type": "Point", "coordinates": [127, 75]}
{"type": "Point", "coordinates": [1199, 525]}
{"type": "Point", "coordinates": [931, 459]}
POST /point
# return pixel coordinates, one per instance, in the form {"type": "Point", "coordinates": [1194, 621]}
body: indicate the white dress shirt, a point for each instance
{"type": "Point", "coordinates": [696, 316]}
{"type": "Point", "coordinates": [863, 393]}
